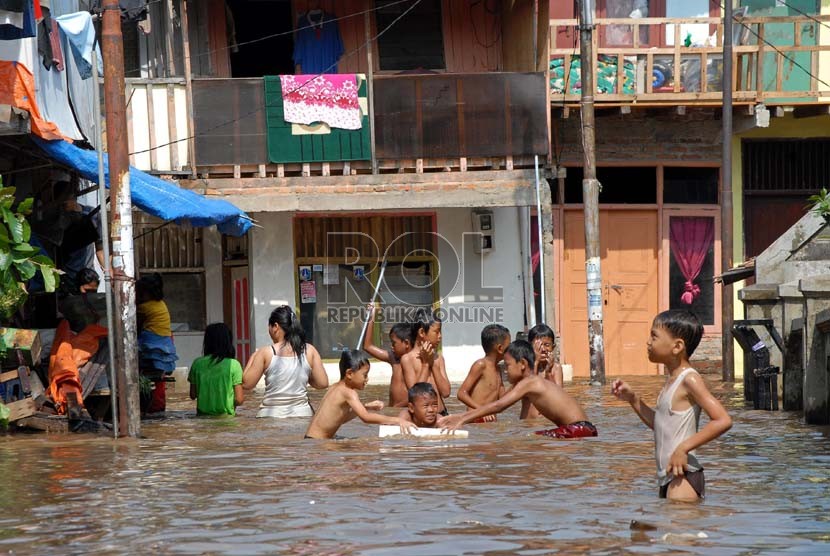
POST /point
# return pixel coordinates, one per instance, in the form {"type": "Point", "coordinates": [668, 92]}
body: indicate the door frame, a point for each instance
{"type": "Point", "coordinates": [665, 258]}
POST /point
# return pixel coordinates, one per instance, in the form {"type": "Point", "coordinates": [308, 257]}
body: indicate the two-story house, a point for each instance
{"type": "Point", "coordinates": [659, 149]}
{"type": "Point", "coordinates": [436, 176]}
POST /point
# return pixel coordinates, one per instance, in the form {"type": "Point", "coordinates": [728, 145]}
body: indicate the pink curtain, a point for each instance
{"type": "Point", "coordinates": [690, 240]}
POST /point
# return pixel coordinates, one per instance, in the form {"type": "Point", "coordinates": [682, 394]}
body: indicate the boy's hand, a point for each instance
{"type": "Point", "coordinates": [678, 463]}
{"type": "Point", "coordinates": [370, 314]}
{"type": "Point", "coordinates": [376, 405]}
{"type": "Point", "coordinates": [450, 422]}
{"type": "Point", "coordinates": [622, 391]}
{"type": "Point", "coordinates": [407, 427]}
{"type": "Point", "coordinates": [427, 354]}
{"type": "Point", "coordinates": [489, 418]}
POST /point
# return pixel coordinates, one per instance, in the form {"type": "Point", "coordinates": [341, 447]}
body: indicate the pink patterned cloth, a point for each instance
{"type": "Point", "coordinates": [331, 99]}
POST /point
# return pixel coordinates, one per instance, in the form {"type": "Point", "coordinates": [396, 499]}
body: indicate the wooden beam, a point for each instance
{"type": "Point", "coordinates": [811, 111]}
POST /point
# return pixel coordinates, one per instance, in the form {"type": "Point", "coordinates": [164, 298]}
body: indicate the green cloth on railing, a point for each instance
{"type": "Point", "coordinates": [606, 78]}
{"type": "Point", "coordinates": [4, 415]}
{"type": "Point", "coordinates": [285, 147]}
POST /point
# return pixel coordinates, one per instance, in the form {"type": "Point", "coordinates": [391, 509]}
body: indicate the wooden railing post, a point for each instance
{"type": "Point", "coordinates": [188, 84]}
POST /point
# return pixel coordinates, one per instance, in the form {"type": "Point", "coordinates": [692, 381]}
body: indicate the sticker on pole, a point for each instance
{"type": "Point", "coordinates": [595, 305]}
{"type": "Point", "coordinates": [592, 274]}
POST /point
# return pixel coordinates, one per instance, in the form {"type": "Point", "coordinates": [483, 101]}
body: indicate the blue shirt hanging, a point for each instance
{"type": "Point", "coordinates": [317, 46]}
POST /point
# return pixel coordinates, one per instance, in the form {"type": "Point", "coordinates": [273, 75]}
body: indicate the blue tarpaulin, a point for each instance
{"type": "Point", "coordinates": [154, 195]}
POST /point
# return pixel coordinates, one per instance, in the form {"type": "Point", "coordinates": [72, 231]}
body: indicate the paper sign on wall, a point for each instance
{"type": "Point", "coordinates": [305, 273]}
{"type": "Point", "coordinates": [592, 274]}
{"type": "Point", "coordinates": [331, 275]}
{"type": "Point", "coordinates": [317, 268]}
{"type": "Point", "coordinates": [359, 272]}
{"type": "Point", "coordinates": [308, 292]}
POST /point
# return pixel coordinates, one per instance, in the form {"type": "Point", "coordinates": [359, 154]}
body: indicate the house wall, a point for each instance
{"type": "Point", "coordinates": [472, 36]}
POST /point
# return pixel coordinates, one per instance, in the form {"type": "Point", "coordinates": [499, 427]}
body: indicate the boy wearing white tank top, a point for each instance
{"type": "Point", "coordinates": [674, 337]}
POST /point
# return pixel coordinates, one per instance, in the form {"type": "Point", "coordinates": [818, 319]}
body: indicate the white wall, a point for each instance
{"type": "Point", "coordinates": [271, 259]}
{"type": "Point", "coordinates": [212, 253]}
{"type": "Point", "coordinates": [500, 268]}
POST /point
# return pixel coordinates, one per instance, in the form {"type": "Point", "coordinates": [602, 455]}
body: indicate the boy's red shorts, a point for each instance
{"type": "Point", "coordinates": [482, 420]}
{"type": "Point", "coordinates": [580, 429]}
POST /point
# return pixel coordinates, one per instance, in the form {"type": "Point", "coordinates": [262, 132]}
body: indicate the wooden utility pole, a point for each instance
{"type": "Point", "coordinates": [121, 224]}
{"type": "Point", "coordinates": [590, 194]}
{"type": "Point", "coordinates": [727, 303]}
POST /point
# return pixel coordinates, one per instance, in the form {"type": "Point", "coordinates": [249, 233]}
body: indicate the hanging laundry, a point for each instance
{"type": "Point", "coordinates": [331, 99]}
{"type": "Point", "coordinates": [16, 21]}
{"type": "Point", "coordinates": [80, 34]}
{"type": "Point", "coordinates": [48, 42]}
{"type": "Point", "coordinates": [317, 45]}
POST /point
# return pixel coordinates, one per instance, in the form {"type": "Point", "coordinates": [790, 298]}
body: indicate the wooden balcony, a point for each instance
{"type": "Point", "coordinates": [776, 61]}
{"type": "Point", "coordinates": [422, 124]}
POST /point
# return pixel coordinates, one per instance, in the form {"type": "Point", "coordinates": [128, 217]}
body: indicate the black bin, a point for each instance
{"type": "Point", "coordinates": [756, 356]}
{"type": "Point", "coordinates": [766, 388]}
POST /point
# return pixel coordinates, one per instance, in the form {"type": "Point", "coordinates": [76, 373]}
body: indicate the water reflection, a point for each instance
{"type": "Point", "coordinates": [253, 486]}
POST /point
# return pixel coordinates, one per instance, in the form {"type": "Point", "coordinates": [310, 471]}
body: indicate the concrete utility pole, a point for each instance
{"type": "Point", "coordinates": [590, 194]}
{"type": "Point", "coordinates": [727, 303]}
{"type": "Point", "coordinates": [121, 219]}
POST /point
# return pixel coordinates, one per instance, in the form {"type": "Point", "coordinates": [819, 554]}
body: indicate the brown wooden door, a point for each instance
{"type": "Point", "coordinates": [628, 244]}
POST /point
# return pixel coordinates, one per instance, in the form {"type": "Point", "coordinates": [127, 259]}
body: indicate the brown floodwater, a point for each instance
{"type": "Point", "coordinates": [251, 486]}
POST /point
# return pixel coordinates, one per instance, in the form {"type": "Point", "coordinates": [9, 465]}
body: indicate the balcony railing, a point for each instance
{"type": "Point", "coordinates": [776, 60]}
{"type": "Point", "coordinates": [423, 123]}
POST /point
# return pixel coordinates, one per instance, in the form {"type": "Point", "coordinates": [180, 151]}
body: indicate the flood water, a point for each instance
{"type": "Point", "coordinates": [248, 486]}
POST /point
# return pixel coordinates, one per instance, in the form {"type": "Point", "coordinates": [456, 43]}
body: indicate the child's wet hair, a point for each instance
{"type": "Point", "coordinates": [402, 331]}
{"type": "Point", "coordinates": [424, 319]}
{"type": "Point", "coordinates": [492, 335]}
{"type": "Point", "coordinates": [352, 360]}
{"type": "Point", "coordinates": [151, 286]}
{"type": "Point", "coordinates": [218, 342]}
{"type": "Point", "coordinates": [519, 349]}
{"type": "Point", "coordinates": [541, 331]}
{"type": "Point", "coordinates": [683, 325]}
{"type": "Point", "coordinates": [421, 389]}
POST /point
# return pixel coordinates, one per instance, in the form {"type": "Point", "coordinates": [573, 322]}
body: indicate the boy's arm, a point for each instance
{"type": "Point", "coordinates": [442, 381]}
{"type": "Point", "coordinates": [469, 383]}
{"type": "Point", "coordinates": [515, 394]}
{"type": "Point", "coordinates": [368, 346]}
{"type": "Point", "coordinates": [238, 395]}
{"type": "Point", "coordinates": [238, 391]}
{"type": "Point", "coordinates": [556, 375]}
{"type": "Point", "coordinates": [719, 423]}
{"type": "Point", "coordinates": [374, 418]}
{"type": "Point", "coordinates": [193, 392]}
{"type": "Point", "coordinates": [624, 392]}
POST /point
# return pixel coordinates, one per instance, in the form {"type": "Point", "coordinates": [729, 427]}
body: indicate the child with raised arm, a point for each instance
{"type": "Point", "coordinates": [483, 383]}
{"type": "Point", "coordinates": [551, 400]}
{"type": "Point", "coordinates": [543, 340]}
{"type": "Point", "coordinates": [341, 403]}
{"type": "Point", "coordinates": [674, 337]}
{"type": "Point", "coordinates": [422, 408]}
{"type": "Point", "coordinates": [216, 377]}
{"type": "Point", "coordinates": [424, 363]}
{"type": "Point", "coordinates": [401, 338]}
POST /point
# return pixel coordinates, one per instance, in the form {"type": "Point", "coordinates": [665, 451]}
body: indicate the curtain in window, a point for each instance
{"type": "Point", "coordinates": [690, 240]}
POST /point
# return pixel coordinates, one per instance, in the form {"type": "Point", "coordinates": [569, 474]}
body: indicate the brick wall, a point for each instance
{"type": "Point", "coordinates": [645, 134]}
{"type": "Point", "coordinates": [707, 358]}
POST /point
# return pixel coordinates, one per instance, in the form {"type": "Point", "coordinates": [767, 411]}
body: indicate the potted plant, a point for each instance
{"type": "Point", "coordinates": [820, 204]}
{"type": "Point", "coordinates": [19, 260]}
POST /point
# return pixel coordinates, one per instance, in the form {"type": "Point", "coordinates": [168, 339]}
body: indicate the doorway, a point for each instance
{"type": "Point", "coordinates": [253, 20]}
{"type": "Point", "coordinates": [629, 243]}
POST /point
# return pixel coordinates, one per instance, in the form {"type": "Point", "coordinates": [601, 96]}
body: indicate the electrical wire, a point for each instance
{"type": "Point", "coordinates": [261, 108]}
{"type": "Point", "coordinates": [496, 13]}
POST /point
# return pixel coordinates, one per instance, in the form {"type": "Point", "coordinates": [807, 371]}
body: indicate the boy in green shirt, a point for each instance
{"type": "Point", "coordinates": [216, 377]}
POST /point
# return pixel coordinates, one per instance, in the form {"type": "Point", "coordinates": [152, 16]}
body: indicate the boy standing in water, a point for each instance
{"type": "Point", "coordinates": [341, 403]}
{"type": "Point", "coordinates": [483, 383]}
{"type": "Point", "coordinates": [401, 338]}
{"type": "Point", "coordinates": [551, 400]}
{"type": "Point", "coordinates": [422, 410]}
{"type": "Point", "coordinates": [674, 337]}
{"type": "Point", "coordinates": [423, 364]}
{"type": "Point", "coordinates": [543, 340]}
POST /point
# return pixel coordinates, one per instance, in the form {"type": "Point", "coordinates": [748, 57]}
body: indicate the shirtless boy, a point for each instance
{"type": "Point", "coordinates": [341, 403]}
{"type": "Point", "coordinates": [424, 363]}
{"type": "Point", "coordinates": [422, 410]}
{"type": "Point", "coordinates": [401, 338]}
{"type": "Point", "coordinates": [543, 340]}
{"type": "Point", "coordinates": [483, 383]}
{"type": "Point", "coordinates": [551, 400]}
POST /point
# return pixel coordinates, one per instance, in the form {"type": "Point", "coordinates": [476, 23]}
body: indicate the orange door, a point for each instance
{"type": "Point", "coordinates": [628, 247]}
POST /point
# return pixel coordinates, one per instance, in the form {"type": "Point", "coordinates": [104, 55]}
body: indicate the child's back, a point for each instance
{"type": "Point", "coordinates": [216, 377]}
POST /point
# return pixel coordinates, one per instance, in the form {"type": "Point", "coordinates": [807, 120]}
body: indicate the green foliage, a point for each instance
{"type": "Point", "coordinates": [19, 260]}
{"type": "Point", "coordinates": [820, 203]}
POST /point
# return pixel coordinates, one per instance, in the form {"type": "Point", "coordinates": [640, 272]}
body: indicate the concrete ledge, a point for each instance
{"type": "Point", "coordinates": [759, 292]}
{"type": "Point", "coordinates": [815, 286]}
{"type": "Point", "coordinates": [797, 325]}
{"type": "Point", "coordinates": [790, 290]}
